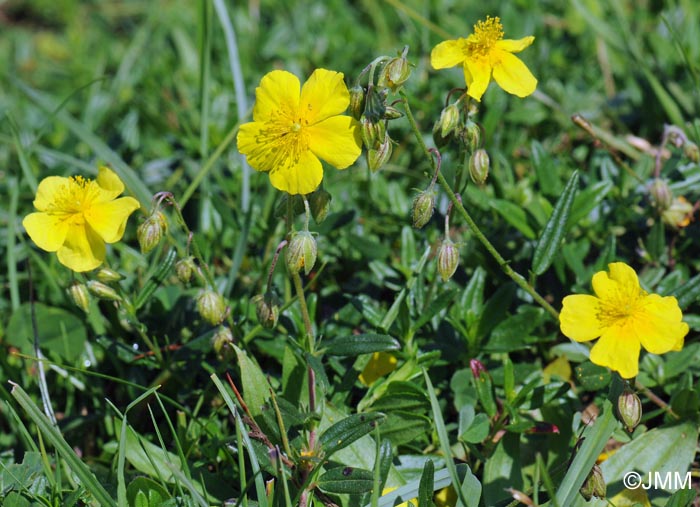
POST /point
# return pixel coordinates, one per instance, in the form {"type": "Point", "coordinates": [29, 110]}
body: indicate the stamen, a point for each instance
{"type": "Point", "coordinates": [485, 35]}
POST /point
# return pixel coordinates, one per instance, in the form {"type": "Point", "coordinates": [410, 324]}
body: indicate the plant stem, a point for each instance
{"type": "Point", "coordinates": [505, 266]}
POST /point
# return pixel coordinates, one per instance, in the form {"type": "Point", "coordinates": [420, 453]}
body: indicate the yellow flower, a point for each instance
{"type": "Point", "coordinates": [625, 317]}
{"type": "Point", "coordinates": [413, 501]}
{"type": "Point", "coordinates": [294, 127]}
{"type": "Point", "coordinates": [77, 216]}
{"type": "Point", "coordinates": [379, 365]}
{"type": "Point", "coordinates": [484, 54]}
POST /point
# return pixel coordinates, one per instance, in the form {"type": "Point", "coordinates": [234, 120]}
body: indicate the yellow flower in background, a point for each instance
{"type": "Point", "coordinates": [293, 127]}
{"type": "Point", "coordinates": [625, 318]}
{"type": "Point", "coordinates": [486, 54]}
{"type": "Point", "coordinates": [77, 216]}
{"type": "Point", "coordinates": [379, 365]}
{"type": "Point", "coordinates": [413, 501]}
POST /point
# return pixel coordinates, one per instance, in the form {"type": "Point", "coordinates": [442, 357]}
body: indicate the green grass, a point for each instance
{"type": "Point", "coordinates": [143, 390]}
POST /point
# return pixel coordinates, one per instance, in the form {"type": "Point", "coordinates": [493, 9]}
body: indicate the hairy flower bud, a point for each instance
{"type": "Point", "coordinates": [396, 72]}
{"type": "Point", "coordinates": [103, 291]}
{"type": "Point", "coordinates": [479, 164]}
{"type": "Point", "coordinates": [184, 268]}
{"type": "Point", "coordinates": [357, 101]}
{"type": "Point", "coordinates": [423, 207]}
{"type": "Point", "coordinates": [661, 194]}
{"type": "Point", "coordinates": [471, 136]}
{"type": "Point", "coordinates": [376, 158]}
{"type": "Point", "coordinates": [222, 342]}
{"type": "Point", "coordinates": [320, 204]}
{"type": "Point", "coordinates": [80, 295]}
{"type": "Point", "coordinates": [594, 485]}
{"type": "Point", "coordinates": [449, 120]}
{"type": "Point", "coordinates": [447, 259]}
{"type": "Point", "coordinates": [691, 151]}
{"type": "Point", "coordinates": [629, 407]}
{"type": "Point", "coordinates": [267, 310]}
{"type": "Point", "coordinates": [211, 306]}
{"type": "Point", "coordinates": [151, 231]}
{"type": "Point", "coordinates": [391, 113]}
{"type": "Point", "coordinates": [301, 252]}
{"type": "Point", "coordinates": [372, 132]}
{"type": "Point", "coordinates": [107, 275]}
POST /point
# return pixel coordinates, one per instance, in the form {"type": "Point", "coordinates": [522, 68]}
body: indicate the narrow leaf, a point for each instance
{"type": "Point", "coordinates": [554, 229]}
{"type": "Point", "coordinates": [346, 480]}
{"type": "Point", "coordinates": [345, 432]}
{"type": "Point", "coordinates": [354, 345]}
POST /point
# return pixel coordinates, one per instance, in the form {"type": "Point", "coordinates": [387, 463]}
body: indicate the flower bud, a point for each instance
{"type": "Point", "coordinates": [301, 252]}
{"type": "Point", "coordinates": [439, 141]}
{"type": "Point", "coordinates": [103, 291]}
{"type": "Point", "coordinates": [151, 231]}
{"type": "Point", "coordinates": [449, 119]}
{"type": "Point", "coordinates": [184, 269]}
{"type": "Point", "coordinates": [447, 259]}
{"type": "Point", "coordinates": [679, 214]}
{"type": "Point", "coordinates": [423, 207]}
{"type": "Point", "coordinates": [391, 113]}
{"type": "Point", "coordinates": [479, 166]}
{"type": "Point", "coordinates": [80, 295]}
{"type": "Point", "coordinates": [376, 158]}
{"type": "Point", "coordinates": [320, 204]}
{"type": "Point", "coordinates": [107, 275]}
{"type": "Point", "coordinates": [594, 485]}
{"type": "Point", "coordinates": [357, 101]}
{"type": "Point", "coordinates": [471, 136]}
{"type": "Point", "coordinates": [267, 310]}
{"type": "Point", "coordinates": [222, 342]}
{"type": "Point", "coordinates": [375, 103]}
{"type": "Point", "coordinates": [372, 132]}
{"type": "Point", "coordinates": [661, 194]}
{"type": "Point", "coordinates": [396, 72]}
{"type": "Point", "coordinates": [211, 306]}
{"type": "Point", "coordinates": [629, 407]}
{"type": "Point", "coordinates": [691, 151]}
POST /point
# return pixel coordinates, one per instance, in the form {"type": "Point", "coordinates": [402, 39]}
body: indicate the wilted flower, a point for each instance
{"type": "Point", "coordinates": [77, 216]}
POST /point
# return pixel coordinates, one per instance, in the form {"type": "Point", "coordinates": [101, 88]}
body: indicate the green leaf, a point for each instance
{"type": "Point", "coordinates": [594, 439]}
{"type": "Point", "coordinates": [592, 377]}
{"type": "Point", "coordinates": [345, 432]}
{"type": "Point", "coordinates": [60, 333]}
{"type": "Point", "coordinates": [354, 345]}
{"type": "Point", "coordinates": [688, 293]}
{"type": "Point", "coordinates": [425, 488]}
{"type": "Point", "coordinates": [405, 427]}
{"type": "Point", "coordinates": [514, 215]}
{"type": "Point", "coordinates": [436, 305]}
{"type": "Point", "coordinates": [586, 200]}
{"type": "Point", "coordinates": [346, 480]}
{"type": "Point", "coordinates": [400, 395]}
{"type": "Point", "coordinates": [473, 428]}
{"type": "Point", "coordinates": [503, 470]}
{"type": "Point", "coordinates": [546, 170]}
{"type": "Point", "coordinates": [256, 390]}
{"type": "Point", "coordinates": [554, 229]}
{"type": "Point", "coordinates": [148, 491]}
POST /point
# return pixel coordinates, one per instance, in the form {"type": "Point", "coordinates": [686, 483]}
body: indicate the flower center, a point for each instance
{"type": "Point", "coordinates": [285, 139]}
{"type": "Point", "coordinates": [620, 309]}
{"type": "Point", "coordinates": [485, 35]}
{"type": "Point", "coordinates": [74, 198]}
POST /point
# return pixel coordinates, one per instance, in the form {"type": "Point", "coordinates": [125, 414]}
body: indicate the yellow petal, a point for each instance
{"type": "Point", "coordinates": [110, 184]}
{"type": "Point", "coordinates": [658, 324]}
{"type": "Point", "coordinates": [620, 284]}
{"type": "Point", "coordinates": [323, 95]}
{"type": "Point", "coordinates": [514, 46]}
{"type": "Point", "coordinates": [618, 349]}
{"type": "Point", "coordinates": [448, 54]}
{"type": "Point", "coordinates": [379, 365]}
{"type": "Point", "coordinates": [46, 230]}
{"type": "Point", "coordinates": [83, 249]}
{"type": "Point", "coordinates": [277, 95]}
{"type": "Point", "coordinates": [253, 143]}
{"type": "Point", "coordinates": [578, 319]}
{"type": "Point", "coordinates": [301, 176]}
{"type": "Point", "coordinates": [108, 219]}
{"type": "Point", "coordinates": [512, 74]}
{"type": "Point", "coordinates": [336, 140]}
{"type": "Point", "coordinates": [477, 74]}
{"type": "Point", "coordinates": [47, 190]}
